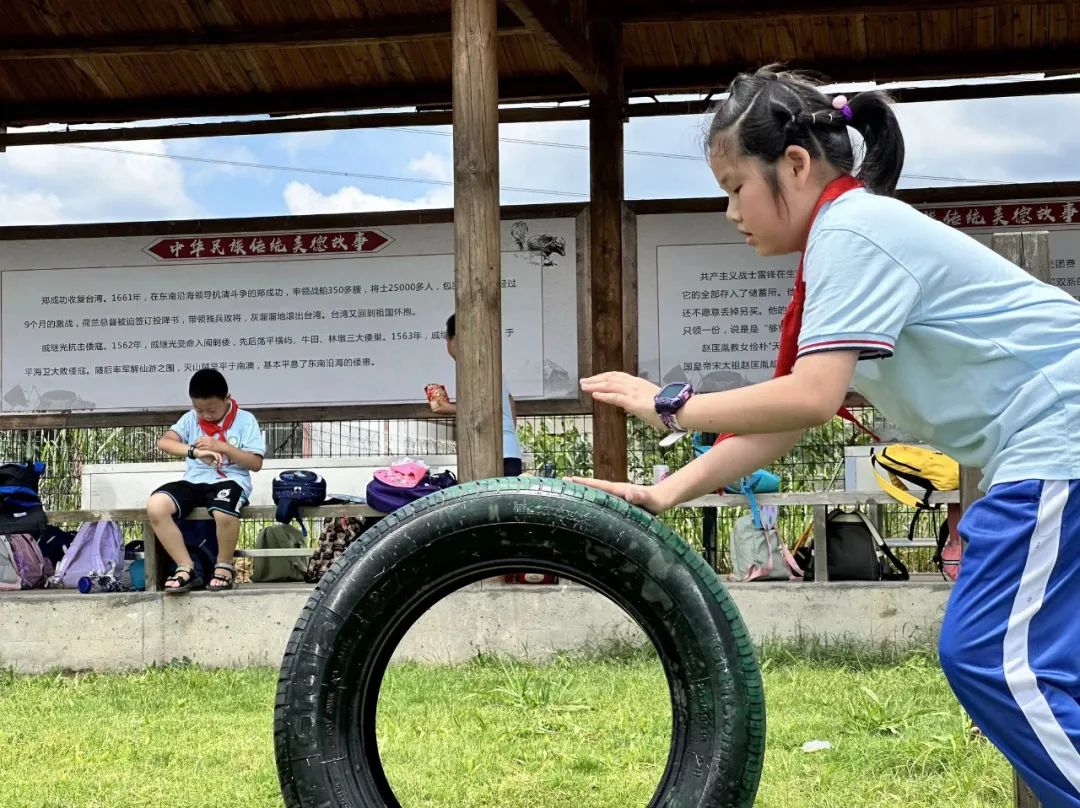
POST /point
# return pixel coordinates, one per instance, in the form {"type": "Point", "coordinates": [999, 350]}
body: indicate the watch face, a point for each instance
{"type": "Point", "coordinates": [671, 392]}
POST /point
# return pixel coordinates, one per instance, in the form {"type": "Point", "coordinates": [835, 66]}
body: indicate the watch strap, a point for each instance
{"type": "Point", "coordinates": [671, 421]}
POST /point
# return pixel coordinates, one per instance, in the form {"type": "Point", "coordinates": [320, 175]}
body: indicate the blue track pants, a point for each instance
{"type": "Point", "coordinates": [1010, 642]}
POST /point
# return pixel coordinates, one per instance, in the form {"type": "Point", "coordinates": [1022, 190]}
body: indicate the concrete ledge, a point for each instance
{"type": "Point", "coordinates": [47, 629]}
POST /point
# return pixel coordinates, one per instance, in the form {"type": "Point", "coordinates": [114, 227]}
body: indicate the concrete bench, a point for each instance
{"type": "Point", "coordinates": [129, 485]}
{"type": "Point", "coordinates": [119, 492]}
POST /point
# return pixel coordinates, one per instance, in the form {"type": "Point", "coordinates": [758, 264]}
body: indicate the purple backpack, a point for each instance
{"type": "Point", "coordinates": [31, 565]}
{"type": "Point", "coordinates": [97, 548]}
{"type": "Point", "coordinates": [388, 498]}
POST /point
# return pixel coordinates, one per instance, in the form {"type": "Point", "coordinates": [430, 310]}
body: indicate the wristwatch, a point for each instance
{"type": "Point", "coordinates": [191, 452]}
{"type": "Point", "coordinates": [668, 402]}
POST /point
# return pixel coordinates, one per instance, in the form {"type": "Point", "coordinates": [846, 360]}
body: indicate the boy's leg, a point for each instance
{"type": "Point", "coordinates": [224, 502]}
{"type": "Point", "coordinates": [1010, 636]}
{"type": "Point", "coordinates": [166, 504]}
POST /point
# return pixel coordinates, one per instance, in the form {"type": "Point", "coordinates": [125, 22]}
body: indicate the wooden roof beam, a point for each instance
{"type": "Point", "coordinates": [927, 66]}
{"type": "Point", "coordinates": [949, 92]}
{"type": "Point", "coordinates": [561, 88]}
{"type": "Point", "coordinates": [637, 12]}
{"type": "Point", "coordinates": [375, 31]}
{"type": "Point", "coordinates": [276, 126]}
{"type": "Point", "coordinates": [573, 49]}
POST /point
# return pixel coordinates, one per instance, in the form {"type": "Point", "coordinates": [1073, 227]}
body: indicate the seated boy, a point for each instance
{"type": "Point", "coordinates": [223, 445]}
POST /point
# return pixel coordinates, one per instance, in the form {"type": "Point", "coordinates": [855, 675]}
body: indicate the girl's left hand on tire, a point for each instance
{"type": "Point", "coordinates": [644, 496]}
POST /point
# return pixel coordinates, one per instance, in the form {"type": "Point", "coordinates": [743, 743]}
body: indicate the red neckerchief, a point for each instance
{"type": "Point", "coordinates": [218, 429]}
{"type": "Point", "coordinates": [791, 325]}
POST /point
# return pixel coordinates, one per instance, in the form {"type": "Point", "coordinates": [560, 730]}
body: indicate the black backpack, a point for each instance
{"type": "Point", "coordinates": [53, 543]}
{"type": "Point", "coordinates": [856, 551]}
{"type": "Point", "coordinates": [21, 510]}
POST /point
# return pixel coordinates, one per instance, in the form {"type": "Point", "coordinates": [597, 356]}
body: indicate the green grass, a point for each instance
{"type": "Point", "coordinates": [584, 731]}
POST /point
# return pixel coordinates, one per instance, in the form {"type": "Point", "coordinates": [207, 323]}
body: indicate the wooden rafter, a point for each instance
{"type": "Point", "coordinates": [267, 126]}
{"type": "Point", "coordinates": [555, 87]}
{"type": "Point", "coordinates": [637, 12]}
{"type": "Point", "coordinates": [570, 45]}
{"type": "Point", "coordinates": [375, 31]}
{"type": "Point", "coordinates": [946, 65]}
{"type": "Point", "coordinates": [947, 92]}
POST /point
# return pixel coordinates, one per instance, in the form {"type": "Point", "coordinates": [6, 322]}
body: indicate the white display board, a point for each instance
{"type": "Point", "coordinates": [321, 317]}
{"type": "Point", "coordinates": [709, 308]}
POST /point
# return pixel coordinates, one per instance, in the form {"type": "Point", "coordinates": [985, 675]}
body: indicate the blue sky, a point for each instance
{"type": "Point", "coordinates": [1008, 140]}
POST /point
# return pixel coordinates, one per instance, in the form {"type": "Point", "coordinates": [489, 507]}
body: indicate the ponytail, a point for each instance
{"type": "Point", "coordinates": [770, 110]}
{"type": "Point", "coordinates": [872, 116]}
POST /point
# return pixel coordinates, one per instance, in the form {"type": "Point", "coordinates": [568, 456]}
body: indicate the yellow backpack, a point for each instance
{"type": "Point", "coordinates": [927, 468]}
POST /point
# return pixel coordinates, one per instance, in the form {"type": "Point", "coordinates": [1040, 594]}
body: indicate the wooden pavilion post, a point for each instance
{"type": "Point", "coordinates": [477, 259]}
{"type": "Point", "coordinates": [1031, 252]}
{"type": "Point", "coordinates": [606, 245]}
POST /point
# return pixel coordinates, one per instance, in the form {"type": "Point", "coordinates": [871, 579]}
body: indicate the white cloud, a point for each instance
{"type": "Point", "coordinates": [1006, 140]}
{"type": "Point", "coordinates": [526, 165]}
{"type": "Point", "coordinates": [301, 198]}
{"type": "Point", "coordinates": [228, 151]}
{"type": "Point", "coordinates": [30, 207]}
{"type": "Point", "coordinates": [294, 143]}
{"type": "Point", "coordinates": [52, 184]}
{"type": "Point", "coordinates": [930, 130]}
{"type": "Point", "coordinates": [433, 166]}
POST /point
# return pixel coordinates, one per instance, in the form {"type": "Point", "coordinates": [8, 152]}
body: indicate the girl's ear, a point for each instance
{"type": "Point", "coordinates": [797, 165]}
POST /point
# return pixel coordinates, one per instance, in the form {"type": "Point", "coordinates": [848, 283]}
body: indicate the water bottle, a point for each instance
{"type": "Point", "coordinates": [102, 583]}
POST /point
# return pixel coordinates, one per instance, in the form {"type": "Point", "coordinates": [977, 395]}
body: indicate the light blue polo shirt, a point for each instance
{"type": "Point", "coordinates": [960, 347]}
{"type": "Point", "coordinates": [244, 434]}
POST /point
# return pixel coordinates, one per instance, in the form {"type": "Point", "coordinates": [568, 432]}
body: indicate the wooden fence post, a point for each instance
{"type": "Point", "coordinates": [477, 248]}
{"type": "Point", "coordinates": [606, 195]}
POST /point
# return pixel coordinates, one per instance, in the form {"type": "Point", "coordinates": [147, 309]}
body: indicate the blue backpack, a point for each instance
{"type": "Point", "coordinates": [294, 488]}
{"type": "Point", "coordinates": [21, 510]}
{"type": "Point", "coordinates": [387, 498]}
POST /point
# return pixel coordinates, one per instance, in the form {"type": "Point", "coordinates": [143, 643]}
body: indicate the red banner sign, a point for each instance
{"type": "Point", "coordinates": [1013, 214]}
{"type": "Point", "coordinates": [269, 245]}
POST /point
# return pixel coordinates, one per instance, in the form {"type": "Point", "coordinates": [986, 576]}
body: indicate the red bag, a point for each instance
{"type": "Point", "coordinates": [950, 546]}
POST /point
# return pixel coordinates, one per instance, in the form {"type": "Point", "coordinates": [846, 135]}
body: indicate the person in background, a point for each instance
{"type": "Point", "coordinates": [443, 406]}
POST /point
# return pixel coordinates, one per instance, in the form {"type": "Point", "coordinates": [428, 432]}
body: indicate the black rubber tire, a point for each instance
{"type": "Point", "coordinates": [324, 716]}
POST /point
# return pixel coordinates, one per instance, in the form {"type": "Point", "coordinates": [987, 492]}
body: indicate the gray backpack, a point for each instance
{"type": "Point", "coordinates": [9, 572]}
{"type": "Point", "coordinates": [759, 554]}
{"type": "Point", "coordinates": [278, 568]}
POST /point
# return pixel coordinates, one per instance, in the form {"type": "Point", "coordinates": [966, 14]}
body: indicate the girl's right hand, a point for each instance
{"type": "Point", "coordinates": [631, 393]}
